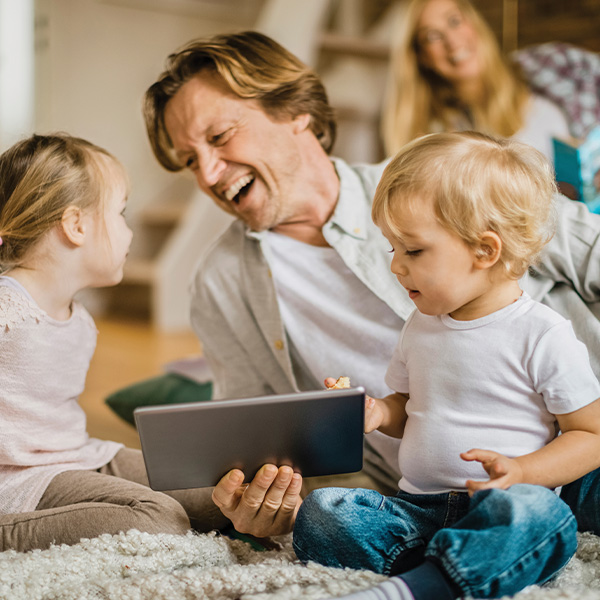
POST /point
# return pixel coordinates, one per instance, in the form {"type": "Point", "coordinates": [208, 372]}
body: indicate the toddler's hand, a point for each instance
{"type": "Point", "coordinates": [373, 414]}
{"type": "Point", "coordinates": [329, 382]}
{"type": "Point", "coordinates": [340, 383]}
{"type": "Point", "coordinates": [503, 471]}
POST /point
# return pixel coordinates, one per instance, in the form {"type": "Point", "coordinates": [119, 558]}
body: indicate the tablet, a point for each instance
{"type": "Point", "coordinates": [193, 445]}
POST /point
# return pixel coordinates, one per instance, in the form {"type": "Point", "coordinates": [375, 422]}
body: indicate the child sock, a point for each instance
{"type": "Point", "coordinates": [425, 582]}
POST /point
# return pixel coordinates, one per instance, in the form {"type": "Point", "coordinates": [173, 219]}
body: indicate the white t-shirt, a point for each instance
{"type": "Point", "coordinates": [493, 383]}
{"type": "Point", "coordinates": [351, 334]}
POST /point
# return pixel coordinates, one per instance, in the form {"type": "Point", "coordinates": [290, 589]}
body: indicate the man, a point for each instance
{"type": "Point", "coordinates": [299, 288]}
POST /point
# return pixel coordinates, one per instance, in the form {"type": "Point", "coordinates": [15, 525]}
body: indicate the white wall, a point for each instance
{"type": "Point", "coordinates": [95, 60]}
{"type": "Point", "coordinates": [16, 69]}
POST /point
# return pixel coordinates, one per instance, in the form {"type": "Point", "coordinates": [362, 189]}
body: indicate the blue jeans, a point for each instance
{"type": "Point", "coordinates": [490, 545]}
{"type": "Point", "coordinates": [583, 498]}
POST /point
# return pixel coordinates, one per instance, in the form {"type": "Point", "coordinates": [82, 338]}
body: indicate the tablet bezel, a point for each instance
{"type": "Point", "coordinates": [194, 444]}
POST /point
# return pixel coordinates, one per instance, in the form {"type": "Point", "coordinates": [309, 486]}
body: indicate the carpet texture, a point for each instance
{"type": "Point", "coordinates": [140, 566]}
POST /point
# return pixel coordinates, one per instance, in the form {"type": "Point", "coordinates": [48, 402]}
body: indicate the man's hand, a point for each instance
{"type": "Point", "coordinates": [266, 506]}
{"type": "Point", "coordinates": [503, 471]}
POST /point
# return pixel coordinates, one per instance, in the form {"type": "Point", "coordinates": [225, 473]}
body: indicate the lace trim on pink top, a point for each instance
{"type": "Point", "coordinates": [17, 308]}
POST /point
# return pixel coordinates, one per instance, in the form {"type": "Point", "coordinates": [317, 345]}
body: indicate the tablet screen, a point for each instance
{"type": "Point", "coordinates": [193, 445]}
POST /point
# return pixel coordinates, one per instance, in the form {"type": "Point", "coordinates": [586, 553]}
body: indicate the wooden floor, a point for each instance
{"type": "Point", "coordinates": [128, 351]}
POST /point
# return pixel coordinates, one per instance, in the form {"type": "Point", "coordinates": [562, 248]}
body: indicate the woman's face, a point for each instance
{"type": "Point", "coordinates": [448, 43]}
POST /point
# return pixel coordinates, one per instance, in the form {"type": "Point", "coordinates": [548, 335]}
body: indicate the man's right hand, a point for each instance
{"type": "Point", "coordinates": [266, 506]}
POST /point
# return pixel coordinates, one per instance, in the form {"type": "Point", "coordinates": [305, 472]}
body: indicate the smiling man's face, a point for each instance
{"type": "Point", "coordinates": [247, 161]}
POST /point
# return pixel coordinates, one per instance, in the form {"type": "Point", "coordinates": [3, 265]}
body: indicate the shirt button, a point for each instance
{"type": "Point", "coordinates": [278, 344]}
{"type": "Point", "coordinates": [357, 230]}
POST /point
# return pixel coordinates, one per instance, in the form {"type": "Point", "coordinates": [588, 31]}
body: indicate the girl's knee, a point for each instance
{"type": "Point", "coordinates": [160, 513]}
{"type": "Point", "coordinates": [148, 511]}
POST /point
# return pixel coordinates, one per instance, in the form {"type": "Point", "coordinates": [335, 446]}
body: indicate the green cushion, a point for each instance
{"type": "Point", "coordinates": [164, 389]}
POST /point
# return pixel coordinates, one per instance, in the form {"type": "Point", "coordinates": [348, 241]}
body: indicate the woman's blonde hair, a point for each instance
{"type": "Point", "coordinates": [476, 183]}
{"type": "Point", "coordinates": [40, 177]}
{"type": "Point", "coordinates": [417, 98]}
{"type": "Point", "coordinates": [252, 66]}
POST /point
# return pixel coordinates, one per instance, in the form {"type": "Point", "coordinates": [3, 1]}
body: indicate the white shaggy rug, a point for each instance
{"type": "Point", "coordinates": [140, 566]}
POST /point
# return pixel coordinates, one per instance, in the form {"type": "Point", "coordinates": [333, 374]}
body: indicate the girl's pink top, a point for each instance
{"type": "Point", "coordinates": [43, 366]}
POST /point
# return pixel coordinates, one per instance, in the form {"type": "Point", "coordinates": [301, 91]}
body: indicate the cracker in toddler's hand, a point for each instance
{"type": "Point", "coordinates": [342, 383]}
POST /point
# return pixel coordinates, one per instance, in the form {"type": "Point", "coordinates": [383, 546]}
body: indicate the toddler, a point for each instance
{"type": "Point", "coordinates": [62, 229]}
{"type": "Point", "coordinates": [484, 378]}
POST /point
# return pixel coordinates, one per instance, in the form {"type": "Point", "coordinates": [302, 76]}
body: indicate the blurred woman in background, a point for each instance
{"type": "Point", "coordinates": [447, 73]}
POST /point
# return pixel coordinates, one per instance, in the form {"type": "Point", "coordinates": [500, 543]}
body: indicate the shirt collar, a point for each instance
{"type": "Point", "coordinates": [352, 210]}
{"type": "Point", "coordinates": [350, 213]}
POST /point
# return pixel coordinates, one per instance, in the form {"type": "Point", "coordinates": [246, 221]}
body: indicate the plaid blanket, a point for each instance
{"type": "Point", "coordinates": [569, 77]}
